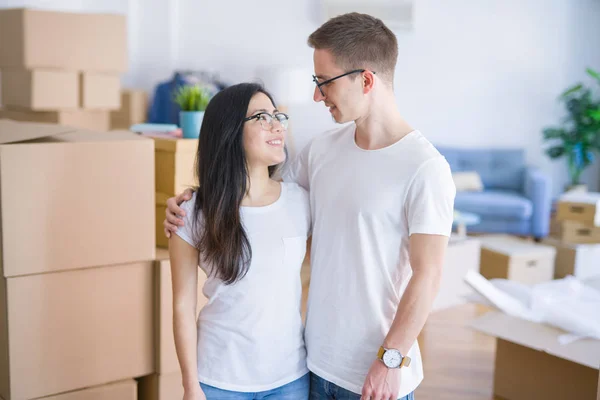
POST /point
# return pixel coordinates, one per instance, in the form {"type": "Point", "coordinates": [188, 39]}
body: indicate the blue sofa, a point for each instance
{"type": "Point", "coordinates": [516, 198]}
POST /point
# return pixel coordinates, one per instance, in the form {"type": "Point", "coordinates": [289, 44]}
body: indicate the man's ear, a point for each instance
{"type": "Point", "coordinates": [368, 81]}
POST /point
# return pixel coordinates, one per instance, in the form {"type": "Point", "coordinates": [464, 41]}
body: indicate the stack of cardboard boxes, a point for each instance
{"type": "Point", "coordinates": [88, 305]}
{"type": "Point", "coordinates": [61, 67]}
{"type": "Point", "coordinates": [77, 266]}
{"type": "Point", "coordinates": [575, 233]}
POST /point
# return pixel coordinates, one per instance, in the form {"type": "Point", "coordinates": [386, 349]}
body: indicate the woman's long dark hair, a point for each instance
{"type": "Point", "coordinates": [222, 174]}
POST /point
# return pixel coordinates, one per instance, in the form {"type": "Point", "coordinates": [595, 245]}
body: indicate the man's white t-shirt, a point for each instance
{"type": "Point", "coordinates": [250, 333]}
{"type": "Point", "coordinates": [365, 204]}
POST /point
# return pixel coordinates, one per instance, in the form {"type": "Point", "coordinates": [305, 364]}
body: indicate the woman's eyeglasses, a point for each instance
{"type": "Point", "coordinates": [266, 120]}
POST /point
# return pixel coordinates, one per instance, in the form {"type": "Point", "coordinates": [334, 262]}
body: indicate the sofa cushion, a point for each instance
{"type": "Point", "coordinates": [498, 168]}
{"type": "Point", "coordinates": [494, 204]}
{"type": "Point", "coordinates": [468, 181]}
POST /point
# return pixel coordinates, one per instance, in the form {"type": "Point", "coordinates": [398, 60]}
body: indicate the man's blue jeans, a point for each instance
{"type": "Point", "coordinates": [320, 389]}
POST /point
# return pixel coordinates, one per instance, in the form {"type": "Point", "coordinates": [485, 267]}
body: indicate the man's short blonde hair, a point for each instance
{"type": "Point", "coordinates": [359, 41]}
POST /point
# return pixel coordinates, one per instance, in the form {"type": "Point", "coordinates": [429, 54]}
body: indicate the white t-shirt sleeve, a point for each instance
{"type": "Point", "coordinates": [297, 170]}
{"type": "Point", "coordinates": [186, 231]}
{"type": "Point", "coordinates": [430, 199]}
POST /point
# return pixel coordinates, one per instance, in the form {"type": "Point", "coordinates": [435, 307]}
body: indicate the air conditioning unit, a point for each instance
{"type": "Point", "coordinates": [396, 14]}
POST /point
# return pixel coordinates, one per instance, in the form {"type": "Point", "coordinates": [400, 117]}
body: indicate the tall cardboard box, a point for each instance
{"type": "Point", "coordinates": [508, 257]}
{"type": "Point", "coordinates": [58, 40]}
{"type": "Point", "coordinates": [532, 364]}
{"type": "Point", "coordinates": [579, 206]}
{"type": "Point", "coordinates": [39, 89]}
{"type": "Point", "coordinates": [166, 355]}
{"type": "Point", "coordinates": [175, 164]}
{"type": "Point", "coordinates": [580, 260]}
{"type": "Point", "coordinates": [161, 387]}
{"type": "Point", "coordinates": [74, 199]}
{"type": "Point", "coordinates": [124, 390]}
{"type": "Point", "coordinates": [70, 330]}
{"type": "Point", "coordinates": [134, 109]}
{"type": "Point", "coordinates": [95, 120]}
{"type": "Point", "coordinates": [100, 91]}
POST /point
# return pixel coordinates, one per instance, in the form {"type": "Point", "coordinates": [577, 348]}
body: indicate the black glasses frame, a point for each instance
{"type": "Point", "coordinates": [328, 81]}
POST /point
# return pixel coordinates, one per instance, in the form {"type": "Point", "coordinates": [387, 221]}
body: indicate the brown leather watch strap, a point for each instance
{"type": "Point", "coordinates": [380, 353]}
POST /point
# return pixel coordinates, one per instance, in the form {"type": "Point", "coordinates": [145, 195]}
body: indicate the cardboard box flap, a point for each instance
{"type": "Point", "coordinates": [538, 337]}
{"type": "Point", "coordinates": [176, 145]}
{"type": "Point", "coordinates": [82, 135]}
{"type": "Point", "coordinates": [14, 132]}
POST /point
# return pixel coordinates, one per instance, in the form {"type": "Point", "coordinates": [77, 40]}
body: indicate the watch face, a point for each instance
{"type": "Point", "coordinates": [392, 358]}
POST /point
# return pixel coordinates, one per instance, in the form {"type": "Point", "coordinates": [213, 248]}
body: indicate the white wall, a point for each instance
{"type": "Point", "coordinates": [471, 73]}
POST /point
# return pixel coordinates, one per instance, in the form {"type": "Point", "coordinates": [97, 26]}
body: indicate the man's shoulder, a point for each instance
{"type": "Point", "coordinates": [420, 151]}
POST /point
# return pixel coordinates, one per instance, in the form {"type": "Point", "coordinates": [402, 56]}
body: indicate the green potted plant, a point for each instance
{"type": "Point", "coordinates": [192, 99]}
{"type": "Point", "coordinates": [578, 137]}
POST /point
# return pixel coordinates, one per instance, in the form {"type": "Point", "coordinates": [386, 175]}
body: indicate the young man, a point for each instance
{"type": "Point", "coordinates": [382, 202]}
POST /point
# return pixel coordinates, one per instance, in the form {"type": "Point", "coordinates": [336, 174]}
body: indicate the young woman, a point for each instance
{"type": "Point", "coordinates": [248, 232]}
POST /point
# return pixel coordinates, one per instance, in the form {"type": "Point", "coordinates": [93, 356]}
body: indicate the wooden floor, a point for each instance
{"type": "Point", "coordinates": [458, 362]}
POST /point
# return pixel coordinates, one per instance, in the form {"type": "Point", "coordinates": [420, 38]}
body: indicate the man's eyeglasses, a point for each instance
{"type": "Point", "coordinates": [266, 120]}
{"type": "Point", "coordinates": [328, 81]}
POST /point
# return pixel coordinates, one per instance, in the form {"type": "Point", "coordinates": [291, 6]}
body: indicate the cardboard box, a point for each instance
{"type": "Point", "coordinates": [579, 206]}
{"type": "Point", "coordinates": [100, 91]}
{"type": "Point", "coordinates": [71, 330]}
{"type": "Point", "coordinates": [579, 260]}
{"type": "Point", "coordinates": [39, 90]}
{"type": "Point", "coordinates": [509, 257]}
{"type": "Point", "coordinates": [161, 387]}
{"type": "Point", "coordinates": [124, 390]}
{"type": "Point", "coordinates": [134, 109]}
{"type": "Point", "coordinates": [49, 39]}
{"type": "Point", "coordinates": [166, 355]}
{"type": "Point", "coordinates": [462, 255]}
{"type": "Point", "coordinates": [175, 165]}
{"type": "Point", "coordinates": [161, 206]}
{"type": "Point", "coordinates": [95, 120]}
{"type": "Point", "coordinates": [74, 199]}
{"type": "Point", "coordinates": [574, 232]}
{"type": "Point", "coordinates": [531, 364]}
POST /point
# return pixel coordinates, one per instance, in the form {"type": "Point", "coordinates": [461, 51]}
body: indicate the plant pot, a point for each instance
{"type": "Point", "coordinates": [190, 122]}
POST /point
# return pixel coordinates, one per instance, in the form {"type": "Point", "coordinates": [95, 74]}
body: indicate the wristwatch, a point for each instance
{"type": "Point", "coordinates": [392, 358]}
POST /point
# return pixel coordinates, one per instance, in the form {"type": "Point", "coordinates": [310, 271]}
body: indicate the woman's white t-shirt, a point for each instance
{"type": "Point", "coordinates": [250, 333]}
